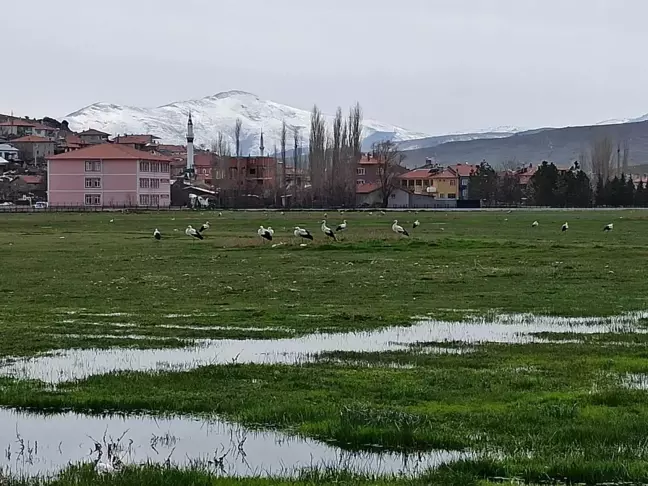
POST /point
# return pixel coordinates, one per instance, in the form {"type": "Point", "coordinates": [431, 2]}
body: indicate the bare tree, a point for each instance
{"type": "Point", "coordinates": [222, 151]}
{"type": "Point", "coordinates": [390, 160]}
{"type": "Point", "coordinates": [601, 157]}
{"type": "Point", "coordinates": [317, 152]}
{"type": "Point", "coordinates": [625, 161]}
{"type": "Point", "coordinates": [238, 125]}
{"type": "Point", "coordinates": [296, 163]}
{"type": "Point", "coordinates": [353, 150]}
{"type": "Point", "coordinates": [284, 174]}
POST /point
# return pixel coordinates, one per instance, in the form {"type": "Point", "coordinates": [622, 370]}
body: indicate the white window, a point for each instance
{"type": "Point", "coordinates": [93, 166]}
{"type": "Point", "coordinates": [144, 183]}
{"type": "Point", "coordinates": [93, 199]}
{"type": "Point", "coordinates": [155, 183]}
{"type": "Point", "coordinates": [144, 199]}
{"type": "Point", "coordinates": [360, 171]}
{"type": "Point", "coordinates": [154, 200]}
{"type": "Point", "coordinates": [164, 196]}
{"type": "Point", "coordinates": [360, 181]}
{"type": "Point", "coordinates": [164, 181]}
{"type": "Point", "coordinates": [452, 196]}
{"type": "Point", "coordinates": [144, 166]}
{"type": "Point", "coordinates": [92, 182]}
{"type": "Point", "coordinates": [155, 167]}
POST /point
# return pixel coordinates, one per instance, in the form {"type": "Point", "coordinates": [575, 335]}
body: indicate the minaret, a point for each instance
{"type": "Point", "coordinates": [190, 147]}
{"type": "Point", "coordinates": [261, 147]}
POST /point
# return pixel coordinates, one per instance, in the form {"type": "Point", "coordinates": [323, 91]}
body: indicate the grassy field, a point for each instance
{"type": "Point", "coordinates": [555, 410]}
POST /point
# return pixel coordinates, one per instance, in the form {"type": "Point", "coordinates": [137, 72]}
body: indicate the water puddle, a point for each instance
{"type": "Point", "coordinates": [39, 445]}
{"type": "Point", "coordinates": [72, 364]}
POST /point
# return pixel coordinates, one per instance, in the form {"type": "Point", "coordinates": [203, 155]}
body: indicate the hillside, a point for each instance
{"type": "Point", "coordinates": [559, 145]}
{"type": "Point", "coordinates": [216, 114]}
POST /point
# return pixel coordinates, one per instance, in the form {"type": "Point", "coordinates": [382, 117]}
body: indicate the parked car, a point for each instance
{"type": "Point", "coordinates": [41, 205]}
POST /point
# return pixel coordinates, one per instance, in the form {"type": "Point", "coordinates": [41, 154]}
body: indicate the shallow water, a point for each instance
{"type": "Point", "coordinates": [72, 364]}
{"type": "Point", "coordinates": [42, 445]}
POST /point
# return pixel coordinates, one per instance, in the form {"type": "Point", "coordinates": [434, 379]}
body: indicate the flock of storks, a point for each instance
{"type": "Point", "coordinates": [304, 234]}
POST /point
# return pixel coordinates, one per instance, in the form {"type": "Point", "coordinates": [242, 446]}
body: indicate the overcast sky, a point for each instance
{"type": "Point", "coordinates": [435, 66]}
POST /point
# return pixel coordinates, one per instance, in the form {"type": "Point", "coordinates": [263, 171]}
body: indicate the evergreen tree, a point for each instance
{"type": "Point", "coordinates": [629, 193]}
{"type": "Point", "coordinates": [600, 197]}
{"type": "Point", "coordinates": [640, 195]}
{"type": "Point", "coordinates": [544, 185]}
{"type": "Point", "coordinates": [483, 183]}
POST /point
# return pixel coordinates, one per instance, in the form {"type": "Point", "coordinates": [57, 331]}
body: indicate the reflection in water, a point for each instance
{"type": "Point", "coordinates": [72, 364]}
{"type": "Point", "coordinates": [42, 445]}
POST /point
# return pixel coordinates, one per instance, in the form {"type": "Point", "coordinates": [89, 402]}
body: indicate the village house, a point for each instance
{"type": "Point", "coordinates": [92, 137]}
{"type": "Point", "coordinates": [8, 152]}
{"type": "Point", "coordinates": [33, 147]}
{"type": "Point", "coordinates": [464, 171]}
{"type": "Point", "coordinates": [108, 175]}
{"type": "Point", "coordinates": [139, 142]}
{"type": "Point", "coordinates": [16, 128]}
{"type": "Point", "coordinates": [257, 174]}
{"type": "Point", "coordinates": [203, 167]}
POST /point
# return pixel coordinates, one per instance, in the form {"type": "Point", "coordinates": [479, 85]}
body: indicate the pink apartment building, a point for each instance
{"type": "Point", "coordinates": [108, 175]}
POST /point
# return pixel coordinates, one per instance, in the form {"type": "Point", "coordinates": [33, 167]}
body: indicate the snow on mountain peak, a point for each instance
{"type": "Point", "coordinates": [218, 113]}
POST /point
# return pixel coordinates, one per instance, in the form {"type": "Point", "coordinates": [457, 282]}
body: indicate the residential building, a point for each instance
{"type": "Point", "coordinates": [368, 169]}
{"type": "Point", "coordinates": [524, 175]}
{"type": "Point", "coordinates": [252, 174]}
{"type": "Point", "coordinates": [109, 175]}
{"type": "Point", "coordinates": [92, 136]}
{"type": "Point", "coordinates": [8, 152]}
{"type": "Point", "coordinates": [140, 142]}
{"type": "Point", "coordinates": [15, 127]}
{"type": "Point", "coordinates": [203, 167]}
{"type": "Point", "coordinates": [371, 195]}
{"type": "Point", "coordinates": [33, 147]}
{"type": "Point", "coordinates": [69, 143]}
{"type": "Point", "coordinates": [464, 171]}
{"type": "Point", "coordinates": [442, 183]}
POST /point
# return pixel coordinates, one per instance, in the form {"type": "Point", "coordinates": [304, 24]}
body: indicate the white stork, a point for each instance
{"type": "Point", "coordinates": [399, 230]}
{"type": "Point", "coordinates": [302, 233]}
{"type": "Point", "coordinates": [191, 231]}
{"type": "Point", "coordinates": [608, 227]}
{"type": "Point", "coordinates": [416, 224]}
{"type": "Point", "coordinates": [270, 230]}
{"type": "Point", "coordinates": [157, 235]}
{"type": "Point", "coordinates": [264, 233]}
{"type": "Point", "coordinates": [564, 228]}
{"type": "Point", "coordinates": [328, 231]}
{"type": "Point", "coordinates": [342, 227]}
{"type": "Point", "coordinates": [534, 224]}
{"type": "Point", "coordinates": [204, 227]}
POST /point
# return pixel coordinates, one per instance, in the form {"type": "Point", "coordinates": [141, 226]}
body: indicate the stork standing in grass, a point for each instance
{"type": "Point", "coordinates": [264, 233]}
{"type": "Point", "coordinates": [204, 227]}
{"type": "Point", "coordinates": [399, 230]}
{"type": "Point", "coordinates": [270, 230]}
{"type": "Point", "coordinates": [342, 227]}
{"type": "Point", "coordinates": [302, 233]}
{"type": "Point", "coordinates": [565, 227]}
{"type": "Point", "coordinates": [328, 231]}
{"type": "Point", "coordinates": [416, 224]}
{"type": "Point", "coordinates": [191, 231]}
{"type": "Point", "coordinates": [157, 235]}
{"type": "Point", "coordinates": [608, 227]}
{"type": "Point", "coordinates": [534, 224]}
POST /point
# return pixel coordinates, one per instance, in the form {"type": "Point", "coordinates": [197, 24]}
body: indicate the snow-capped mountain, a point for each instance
{"type": "Point", "coordinates": [216, 114]}
{"type": "Point", "coordinates": [619, 121]}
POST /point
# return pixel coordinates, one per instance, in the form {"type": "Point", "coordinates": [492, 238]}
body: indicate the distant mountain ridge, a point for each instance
{"type": "Point", "coordinates": [218, 113]}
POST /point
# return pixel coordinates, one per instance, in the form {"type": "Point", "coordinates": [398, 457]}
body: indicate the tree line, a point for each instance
{"type": "Point", "coordinates": [554, 187]}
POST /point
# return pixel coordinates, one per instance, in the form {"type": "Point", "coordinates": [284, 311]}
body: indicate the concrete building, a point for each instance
{"type": "Point", "coordinates": [109, 175]}
{"type": "Point", "coordinates": [33, 147]}
{"type": "Point", "coordinates": [8, 152]}
{"type": "Point", "coordinates": [93, 137]}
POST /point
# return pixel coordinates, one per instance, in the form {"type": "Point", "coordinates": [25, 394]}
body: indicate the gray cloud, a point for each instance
{"type": "Point", "coordinates": [430, 65]}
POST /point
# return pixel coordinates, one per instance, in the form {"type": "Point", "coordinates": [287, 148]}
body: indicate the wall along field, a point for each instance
{"type": "Point", "coordinates": [489, 359]}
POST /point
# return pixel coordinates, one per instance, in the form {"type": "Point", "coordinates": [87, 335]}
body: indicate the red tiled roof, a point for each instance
{"type": "Point", "coordinates": [32, 179]}
{"type": "Point", "coordinates": [74, 139]}
{"type": "Point", "coordinates": [16, 123]}
{"type": "Point", "coordinates": [92, 131]}
{"type": "Point", "coordinates": [445, 174]}
{"type": "Point", "coordinates": [32, 139]}
{"type": "Point", "coordinates": [367, 188]}
{"type": "Point", "coordinates": [110, 151]}
{"type": "Point", "coordinates": [464, 170]}
{"type": "Point", "coordinates": [40, 126]}
{"type": "Point", "coordinates": [135, 139]}
{"type": "Point", "coordinates": [172, 148]}
{"type": "Point", "coordinates": [417, 174]}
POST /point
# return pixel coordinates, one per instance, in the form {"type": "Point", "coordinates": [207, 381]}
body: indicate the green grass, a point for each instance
{"type": "Point", "coordinates": [371, 279]}
{"type": "Point", "coordinates": [544, 411]}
